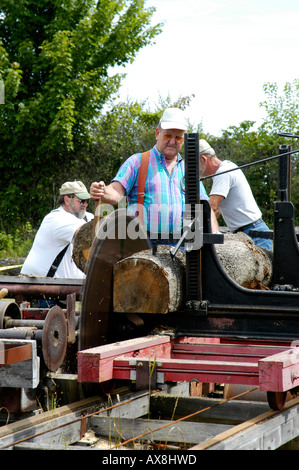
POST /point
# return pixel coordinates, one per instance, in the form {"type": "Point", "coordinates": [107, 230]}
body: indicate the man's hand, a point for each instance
{"type": "Point", "coordinates": [97, 190]}
{"type": "Point", "coordinates": [110, 194]}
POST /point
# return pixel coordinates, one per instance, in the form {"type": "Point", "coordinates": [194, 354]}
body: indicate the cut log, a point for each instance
{"type": "Point", "coordinates": [147, 283]}
{"type": "Point", "coordinates": [82, 245]}
{"type": "Point", "coordinates": [144, 283]}
{"type": "Point", "coordinates": [247, 264]}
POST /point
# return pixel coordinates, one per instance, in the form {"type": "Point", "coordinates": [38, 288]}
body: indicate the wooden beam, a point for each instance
{"type": "Point", "coordinates": [96, 364]}
{"type": "Point", "coordinates": [14, 352]}
{"type": "Point", "coordinates": [28, 427]}
{"type": "Point", "coordinates": [268, 431]}
{"type": "Point", "coordinates": [280, 372]}
{"type": "Point", "coordinates": [231, 412]}
{"type": "Point", "coordinates": [186, 433]}
{"type": "Point", "coordinates": [19, 363]}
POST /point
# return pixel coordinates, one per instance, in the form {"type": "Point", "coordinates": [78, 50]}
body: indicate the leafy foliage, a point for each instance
{"type": "Point", "coordinates": [60, 120]}
{"type": "Point", "coordinates": [55, 63]}
{"type": "Point", "coordinates": [18, 244]}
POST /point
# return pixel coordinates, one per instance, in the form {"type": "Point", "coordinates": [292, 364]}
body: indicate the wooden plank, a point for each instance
{"type": "Point", "coordinates": [61, 427]}
{"type": "Point", "coordinates": [127, 346]}
{"type": "Point", "coordinates": [27, 427]}
{"type": "Point", "coordinates": [47, 446]}
{"type": "Point", "coordinates": [186, 433]}
{"type": "Point", "coordinates": [230, 412]}
{"type": "Point", "coordinates": [279, 372]}
{"type": "Point", "coordinates": [14, 352]}
{"type": "Point", "coordinates": [268, 431]}
{"type": "Point", "coordinates": [140, 405]}
{"type": "Point", "coordinates": [22, 374]}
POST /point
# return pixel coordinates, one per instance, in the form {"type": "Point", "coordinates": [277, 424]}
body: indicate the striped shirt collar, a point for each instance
{"type": "Point", "coordinates": [161, 156]}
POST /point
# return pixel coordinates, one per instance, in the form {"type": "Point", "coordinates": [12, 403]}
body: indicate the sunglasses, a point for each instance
{"type": "Point", "coordinates": [178, 138]}
{"type": "Point", "coordinates": [82, 201]}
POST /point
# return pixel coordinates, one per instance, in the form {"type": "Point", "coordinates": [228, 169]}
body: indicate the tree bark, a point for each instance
{"type": "Point", "coordinates": [246, 263]}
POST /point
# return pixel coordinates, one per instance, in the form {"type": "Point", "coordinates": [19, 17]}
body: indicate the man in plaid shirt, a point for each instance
{"type": "Point", "coordinates": [164, 200]}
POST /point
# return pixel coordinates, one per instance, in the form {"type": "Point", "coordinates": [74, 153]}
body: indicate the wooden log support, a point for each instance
{"type": "Point", "coordinates": [280, 372]}
{"type": "Point", "coordinates": [223, 352]}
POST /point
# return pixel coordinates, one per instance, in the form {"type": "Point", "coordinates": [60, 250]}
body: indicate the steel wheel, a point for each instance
{"type": "Point", "coordinates": [276, 400]}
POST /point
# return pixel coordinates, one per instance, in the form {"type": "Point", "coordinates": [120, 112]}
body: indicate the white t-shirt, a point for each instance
{"type": "Point", "coordinates": [238, 208]}
{"type": "Point", "coordinates": [55, 232]}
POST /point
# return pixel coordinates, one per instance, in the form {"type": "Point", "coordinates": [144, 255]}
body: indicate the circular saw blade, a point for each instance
{"type": "Point", "coordinates": [54, 338]}
{"type": "Point", "coordinates": [110, 245]}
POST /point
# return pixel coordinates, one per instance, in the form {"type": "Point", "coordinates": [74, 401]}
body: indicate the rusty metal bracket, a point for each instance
{"type": "Point", "coordinates": [146, 375]}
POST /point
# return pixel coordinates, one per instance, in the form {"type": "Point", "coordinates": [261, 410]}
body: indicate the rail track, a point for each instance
{"type": "Point", "coordinates": [162, 420]}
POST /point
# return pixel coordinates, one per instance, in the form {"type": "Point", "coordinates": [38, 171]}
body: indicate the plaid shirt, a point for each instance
{"type": "Point", "coordinates": [164, 200]}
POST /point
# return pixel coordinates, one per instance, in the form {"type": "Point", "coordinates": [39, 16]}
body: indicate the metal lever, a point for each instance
{"type": "Point", "coordinates": [195, 226]}
{"type": "Point", "coordinates": [174, 250]}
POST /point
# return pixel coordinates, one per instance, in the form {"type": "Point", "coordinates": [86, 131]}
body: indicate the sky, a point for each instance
{"type": "Point", "coordinates": [221, 51]}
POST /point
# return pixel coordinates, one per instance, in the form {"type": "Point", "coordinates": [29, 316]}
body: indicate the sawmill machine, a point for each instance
{"type": "Point", "coordinates": [215, 305]}
{"type": "Point", "coordinates": [252, 324]}
{"type": "Point", "coordinates": [39, 343]}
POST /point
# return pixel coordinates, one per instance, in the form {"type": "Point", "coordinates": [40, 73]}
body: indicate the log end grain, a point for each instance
{"type": "Point", "coordinates": [139, 285]}
{"type": "Point", "coordinates": [82, 244]}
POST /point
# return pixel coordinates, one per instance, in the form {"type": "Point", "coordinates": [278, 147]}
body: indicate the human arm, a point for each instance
{"type": "Point", "coordinates": [215, 200]}
{"type": "Point", "coordinates": [214, 223]}
{"type": "Point", "coordinates": [110, 194]}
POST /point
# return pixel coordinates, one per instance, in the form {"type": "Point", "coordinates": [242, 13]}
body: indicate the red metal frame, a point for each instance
{"type": "Point", "coordinates": [271, 366]}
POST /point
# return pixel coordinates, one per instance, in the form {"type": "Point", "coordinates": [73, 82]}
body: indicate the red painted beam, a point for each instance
{"type": "Point", "coordinates": [96, 364]}
{"type": "Point", "coordinates": [224, 352]}
{"type": "Point", "coordinates": [280, 372]}
{"type": "Point", "coordinates": [273, 367]}
{"type": "Point", "coordinates": [179, 370]}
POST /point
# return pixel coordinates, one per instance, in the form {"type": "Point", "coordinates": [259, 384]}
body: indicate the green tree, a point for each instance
{"type": "Point", "coordinates": [283, 117]}
{"type": "Point", "coordinates": [56, 59]}
{"type": "Point", "coordinates": [282, 109]}
{"type": "Point", "coordinates": [243, 145]}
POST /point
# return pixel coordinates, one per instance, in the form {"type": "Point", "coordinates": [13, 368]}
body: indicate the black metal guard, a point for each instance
{"type": "Point", "coordinates": [192, 198]}
{"type": "Point", "coordinates": [284, 173]}
{"type": "Point", "coordinates": [217, 305]}
{"type": "Point", "coordinates": [286, 248]}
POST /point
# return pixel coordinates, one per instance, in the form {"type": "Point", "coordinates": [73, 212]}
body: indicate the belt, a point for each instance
{"type": "Point", "coordinates": [241, 229]}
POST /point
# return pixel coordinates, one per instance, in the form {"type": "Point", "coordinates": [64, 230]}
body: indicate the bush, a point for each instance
{"type": "Point", "coordinates": [18, 244]}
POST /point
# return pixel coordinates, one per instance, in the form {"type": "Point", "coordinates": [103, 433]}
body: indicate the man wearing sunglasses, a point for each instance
{"type": "Point", "coordinates": [51, 252]}
{"type": "Point", "coordinates": [164, 199]}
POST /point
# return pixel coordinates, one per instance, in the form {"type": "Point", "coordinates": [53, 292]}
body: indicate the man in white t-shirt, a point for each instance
{"type": "Point", "coordinates": [56, 233]}
{"type": "Point", "coordinates": [231, 195]}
